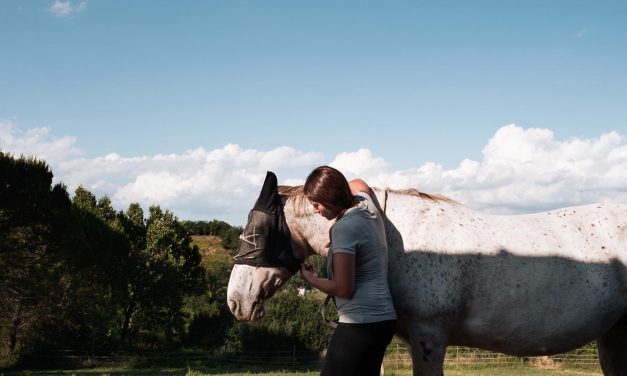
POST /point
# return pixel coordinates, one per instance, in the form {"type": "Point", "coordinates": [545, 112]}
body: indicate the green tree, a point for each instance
{"type": "Point", "coordinates": [210, 317]}
{"type": "Point", "coordinates": [214, 227]}
{"type": "Point", "coordinates": [151, 276]}
{"type": "Point", "coordinates": [44, 258]}
{"type": "Point", "coordinates": [103, 264]}
{"type": "Point", "coordinates": [29, 238]}
{"type": "Point", "coordinates": [230, 239]}
{"type": "Point", "coordinates": [163, 269]}
{"type": "Point", "coordinates": [84, 199]}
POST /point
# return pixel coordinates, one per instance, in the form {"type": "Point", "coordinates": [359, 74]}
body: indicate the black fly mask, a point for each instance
{"type": "Point", "coordinates": [266, 240]}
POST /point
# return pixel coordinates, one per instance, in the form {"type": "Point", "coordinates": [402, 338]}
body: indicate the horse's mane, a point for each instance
{"type": "Point", "coordinates": [299, 201]}
{"type": "Point", "coordinates": [297, 194]}
{"type": "Point", "coordinates": [423, 195]}
{"type": "Point", "coordinates": [288, 190]}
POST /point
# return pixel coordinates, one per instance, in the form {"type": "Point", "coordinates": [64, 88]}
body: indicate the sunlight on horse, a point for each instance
{"type": "Point", "coordinates": [526, 285]}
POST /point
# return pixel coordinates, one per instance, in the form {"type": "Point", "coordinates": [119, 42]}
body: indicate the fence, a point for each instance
{"type": "Point", "coordinates": [396, 357]}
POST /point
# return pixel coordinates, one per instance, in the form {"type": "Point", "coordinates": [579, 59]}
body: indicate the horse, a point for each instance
{"type": "Point", "coordinates": [525, 285]}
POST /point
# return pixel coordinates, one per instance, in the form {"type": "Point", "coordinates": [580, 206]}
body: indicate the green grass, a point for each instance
{"type": "Point", "coordinates": [515, 370]}
{"type": "Point", "coordinates": [508, 370]}
{"type": "Point", "coordinates": [148, 372]}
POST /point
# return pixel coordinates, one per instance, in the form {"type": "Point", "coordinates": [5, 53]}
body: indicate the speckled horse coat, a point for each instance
{"type": "Point", "coordinates": [534, 284]}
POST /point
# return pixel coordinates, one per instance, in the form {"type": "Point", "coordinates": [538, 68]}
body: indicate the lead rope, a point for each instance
{"type": "Point", "coordinates": [385, 200]}
{"type": "Point", "coordinates": [332, 323]}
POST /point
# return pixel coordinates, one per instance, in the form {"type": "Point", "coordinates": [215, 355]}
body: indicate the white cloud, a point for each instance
{"type": "Point", "coordinates": [522, 170]}
{"type": "Point", "coordinates": [36, 142]}
{"type": "Point", "coordinates": [198, 181]}
{"type": "Point", "coordinates": [359, 163]}
{"type": "Point", "coordinates": [62, 8]}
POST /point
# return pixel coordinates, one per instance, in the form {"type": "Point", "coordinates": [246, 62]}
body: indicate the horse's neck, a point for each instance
{"type": "Point", "coordinates": [310, 231]}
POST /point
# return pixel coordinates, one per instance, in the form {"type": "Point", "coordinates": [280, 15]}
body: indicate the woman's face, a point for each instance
{"type": "Point", "coordinates": [319, 208]}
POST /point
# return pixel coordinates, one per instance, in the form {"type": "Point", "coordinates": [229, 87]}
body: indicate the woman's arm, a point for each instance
{"type": "Point", "coordinates": [343, 283]}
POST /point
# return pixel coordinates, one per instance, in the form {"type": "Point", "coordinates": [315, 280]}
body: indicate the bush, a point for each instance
{"type": "Point", "coordinates": [290, 321]}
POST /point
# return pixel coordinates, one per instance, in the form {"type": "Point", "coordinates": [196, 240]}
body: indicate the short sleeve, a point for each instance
{"type": "Point", "coordinates": [344, 238]}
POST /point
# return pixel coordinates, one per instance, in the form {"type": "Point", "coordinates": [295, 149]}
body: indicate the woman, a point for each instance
{"type": "Point", "coordinates": [357, 265]}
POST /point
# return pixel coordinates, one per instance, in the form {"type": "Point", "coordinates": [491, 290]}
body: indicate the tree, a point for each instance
{"type": "Point", "coordinates": [163, 268]}
{"type": "Point", "coordinates": [84, 199]}
{"type": "Point", "coordinates": [101, 267]}
{"type": "Point", "coordinates": [230, 239]}
{"type": "Point", "coordinates": [210, 317]}
{"type": "Point", "coordinates": [36, 233]}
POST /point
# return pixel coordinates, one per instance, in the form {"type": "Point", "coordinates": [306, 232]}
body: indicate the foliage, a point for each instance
{"type": "Point", "coordinates": [214, 227]}
{"type": "Point", "coordinates": [230, 240]}
{"type": "Point", "coordinates": [38, 256]}
{"type": "Point", "coordinates": [210, 316]}
{"type": "Point", "coordinates": [162, 269]}
{"type": "Point", "coordinates": [319, 264]}
{"type": "Point", "coordinates": [291, 320]}
{"type": "Point", "coordinates": [78, 274]}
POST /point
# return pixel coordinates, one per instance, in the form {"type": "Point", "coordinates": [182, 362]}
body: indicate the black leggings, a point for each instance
{"type": "Point", "coordinates": [358, 349]}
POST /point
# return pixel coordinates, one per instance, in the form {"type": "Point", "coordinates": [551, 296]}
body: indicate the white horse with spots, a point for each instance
{"type": "Point", "coordinates": [526, 285]}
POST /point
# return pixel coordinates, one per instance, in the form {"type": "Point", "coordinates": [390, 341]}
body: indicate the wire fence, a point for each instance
{"type": "Point", "coordinates": [396, 357]}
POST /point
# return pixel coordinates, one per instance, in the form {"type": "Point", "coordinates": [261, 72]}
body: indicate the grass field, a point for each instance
{"type": "Point", "coordinates": [460, 362]}
{"type": "Point", "coordinates": [518, 370]}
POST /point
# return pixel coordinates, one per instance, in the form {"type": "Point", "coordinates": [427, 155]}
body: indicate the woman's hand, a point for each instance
{"type": "Point", "coordinates": [343, 285]}
{"type": "Point", "coordinates": [308, 273]}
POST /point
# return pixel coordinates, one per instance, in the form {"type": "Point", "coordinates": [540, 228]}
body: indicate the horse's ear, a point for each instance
{"type": "Point", "coordinates": [269, 198]}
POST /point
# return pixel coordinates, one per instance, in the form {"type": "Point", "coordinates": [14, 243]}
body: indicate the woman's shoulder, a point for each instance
{"type": "Point", "coordinates": [358, 186]}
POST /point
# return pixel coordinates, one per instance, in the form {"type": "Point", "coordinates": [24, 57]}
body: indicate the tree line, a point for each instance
{"type": "Point", "coordinates": [77, 274]}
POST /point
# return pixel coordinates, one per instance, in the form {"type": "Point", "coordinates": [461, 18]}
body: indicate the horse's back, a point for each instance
{"type": "Point", "coordinates": [590, 233]}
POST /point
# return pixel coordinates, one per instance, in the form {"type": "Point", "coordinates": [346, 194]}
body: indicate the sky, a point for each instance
{"type": "Point", "coordinates": [506, 106]}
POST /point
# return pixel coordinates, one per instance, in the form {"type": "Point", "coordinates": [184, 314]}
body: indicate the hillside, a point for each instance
{"type": "Point", "coordinates": [211, 250]}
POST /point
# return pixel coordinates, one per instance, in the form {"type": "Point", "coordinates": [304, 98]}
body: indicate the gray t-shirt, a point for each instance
{"type": "Point", "coordinates": [360, 232]}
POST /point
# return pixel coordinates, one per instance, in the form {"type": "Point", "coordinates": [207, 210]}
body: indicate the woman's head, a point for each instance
{"type": "Point", "coordinates": [328, 187]}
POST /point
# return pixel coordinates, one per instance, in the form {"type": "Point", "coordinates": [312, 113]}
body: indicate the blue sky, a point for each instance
{"type": "Point", "coordinates": [391, 88]}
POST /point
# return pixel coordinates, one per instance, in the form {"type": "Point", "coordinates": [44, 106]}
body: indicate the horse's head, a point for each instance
{"type": "Point", "coordinates": [266, 256]}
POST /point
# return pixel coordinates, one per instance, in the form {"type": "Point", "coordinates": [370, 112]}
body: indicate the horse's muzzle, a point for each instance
{"type": "Point", "coordinates": [256, 312]}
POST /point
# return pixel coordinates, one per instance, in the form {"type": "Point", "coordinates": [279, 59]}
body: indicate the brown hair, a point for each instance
{"type": "Point", "coordinates": [329, 187]}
